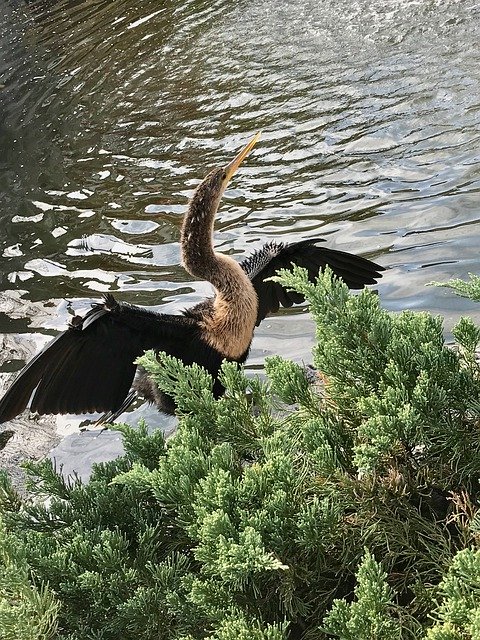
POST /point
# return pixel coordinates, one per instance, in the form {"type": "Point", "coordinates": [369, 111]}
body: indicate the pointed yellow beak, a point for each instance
{"type": "Point", "coordinates": [237, 161]}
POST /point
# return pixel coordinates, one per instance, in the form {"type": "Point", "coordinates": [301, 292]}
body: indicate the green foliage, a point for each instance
{"type": "Point", "coordinates": [289, 382]}
{"type": "Point", "coordinates": [467, 289]}
{"type": "Point", "coordinates": [369, 617]}
{"type": "Point", "coordinates": [27, 611]}
{"type": "Point", "coordinates": [9, 498]}
{"type": "Point", "coordinates": [251, 521]}
{"type": "Point", "coordinates": [458, 611]}
{"type": "Point", "coordinates": [239, 629]}
{"type": "Point", "coordinates": [395, 381]}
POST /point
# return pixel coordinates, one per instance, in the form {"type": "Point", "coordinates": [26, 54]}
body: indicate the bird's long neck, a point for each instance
{"type": "Point", "coordinates": [197, 236]}
{"type": "Point", "coordinates": [230, 327]}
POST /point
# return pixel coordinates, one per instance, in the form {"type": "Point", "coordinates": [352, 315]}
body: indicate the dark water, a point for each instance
{"type": "Point", "coordinates": [111, 112]}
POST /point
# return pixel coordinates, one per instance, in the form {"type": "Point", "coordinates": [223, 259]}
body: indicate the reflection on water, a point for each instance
{"type": "Point", "coordinates": [112, 112]}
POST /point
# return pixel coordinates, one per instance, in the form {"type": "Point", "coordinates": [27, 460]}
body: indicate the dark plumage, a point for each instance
{"type": "Point", "coordinates": [90, 366]}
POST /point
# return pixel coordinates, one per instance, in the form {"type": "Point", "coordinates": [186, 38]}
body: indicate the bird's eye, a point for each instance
{"type": "Point", "coordinates": [224, 175]}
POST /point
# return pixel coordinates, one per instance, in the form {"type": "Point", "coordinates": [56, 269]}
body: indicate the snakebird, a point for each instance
{"type": "Point", "coordinates": [91, 367]}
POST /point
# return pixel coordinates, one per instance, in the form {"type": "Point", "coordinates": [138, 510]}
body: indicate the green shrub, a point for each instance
{"type": "Point", "coordinates": [27, 612]}
{"type": "Point", "coordinates": [345, 508]}
{"type": "Point", "coordinates": [467, 289]}
{"type": "Point", "coordinates": [367, 618]}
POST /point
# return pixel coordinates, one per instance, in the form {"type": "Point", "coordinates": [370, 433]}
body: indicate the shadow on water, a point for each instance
{"type": "Point", "coordinates": [112, 112]}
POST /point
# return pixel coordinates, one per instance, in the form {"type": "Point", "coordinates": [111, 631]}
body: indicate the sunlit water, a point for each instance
{"type": "Point", "coordinates": [112, 112]}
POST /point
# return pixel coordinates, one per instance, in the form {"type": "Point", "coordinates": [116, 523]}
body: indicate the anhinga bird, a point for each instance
{"type": "Point", "coordinates": [90, 366]}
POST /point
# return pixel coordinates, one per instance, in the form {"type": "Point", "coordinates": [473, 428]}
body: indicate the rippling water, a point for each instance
{"type": "Point", "coordinates": [112, 112]}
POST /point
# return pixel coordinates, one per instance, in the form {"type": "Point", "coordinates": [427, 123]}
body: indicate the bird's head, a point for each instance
{"type": "Point", "coordinates": [213, 186]}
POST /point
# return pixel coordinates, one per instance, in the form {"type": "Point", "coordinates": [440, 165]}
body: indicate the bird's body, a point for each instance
{"type": "Point", "coordinates": [90, 366]}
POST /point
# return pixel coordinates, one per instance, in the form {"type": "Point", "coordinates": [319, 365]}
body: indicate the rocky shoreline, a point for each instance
{"type": "Point", "coordinates": [26, 439]}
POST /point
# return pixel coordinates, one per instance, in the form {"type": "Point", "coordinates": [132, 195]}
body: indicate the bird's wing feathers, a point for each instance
{"type": "Point", "coordinates": [90, 366]}
{"type": "Point", "coordinates": [355, 271]}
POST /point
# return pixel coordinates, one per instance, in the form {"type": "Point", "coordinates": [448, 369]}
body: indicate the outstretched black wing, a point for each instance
{"type": "Point", "coordinates": [354, 270]}
{"type": "Point", "coordinates": [90, 366]}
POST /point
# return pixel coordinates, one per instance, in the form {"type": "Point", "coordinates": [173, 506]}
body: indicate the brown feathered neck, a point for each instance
{"type": "Point", "coordinates": [230, 327]}
{"type": "Point", "coordinates": [197, 229]}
